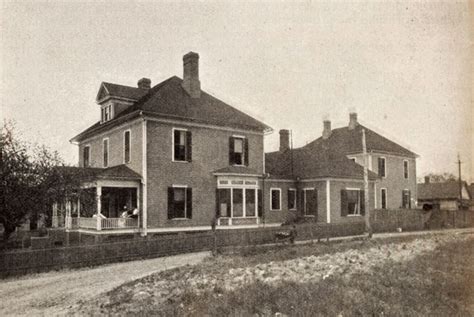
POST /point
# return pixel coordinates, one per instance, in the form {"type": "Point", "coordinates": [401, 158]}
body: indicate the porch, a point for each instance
{"type": "Point", "coordinates": [104, 202]}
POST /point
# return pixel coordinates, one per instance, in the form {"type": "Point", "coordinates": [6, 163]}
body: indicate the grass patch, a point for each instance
{"type": "Point", "coordinates": [441, 283]}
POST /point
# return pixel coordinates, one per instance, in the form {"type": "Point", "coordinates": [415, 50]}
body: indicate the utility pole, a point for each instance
{"type": "Point", "coordinates": [460, 181]}
{"type": "Point", "coordinates": [368, 228]}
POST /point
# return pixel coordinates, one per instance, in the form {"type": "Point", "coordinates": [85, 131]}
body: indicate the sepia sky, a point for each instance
{"type": "Point", "coordinates": [404, 67]}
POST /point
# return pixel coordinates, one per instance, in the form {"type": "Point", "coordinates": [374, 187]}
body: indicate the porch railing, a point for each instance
{"type": "Point", "coordinates": [119, 223]}
{"type": "Point", "coordinates": [101, 223]}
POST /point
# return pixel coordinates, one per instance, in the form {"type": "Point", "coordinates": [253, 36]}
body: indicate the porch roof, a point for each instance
{"type": "Point", "coordinates": [234, 170]}
{"type": "Point", "coordinates": [118, 172]}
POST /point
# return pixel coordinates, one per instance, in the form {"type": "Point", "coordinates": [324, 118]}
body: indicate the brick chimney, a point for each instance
{"type": "Point", "coordinates": [144, 83]}
{"type": "Point", "coordinates": [352, 120]}
{"type": "Point", "coordinates": [191, 82]}
{"type": "Point", "coordinates": [284, 140]}
{"type": "Point", "coordinates": [327, 129]}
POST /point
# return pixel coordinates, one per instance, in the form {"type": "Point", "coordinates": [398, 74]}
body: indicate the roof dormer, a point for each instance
{"type": "Point", "coordinates": [114, 98]}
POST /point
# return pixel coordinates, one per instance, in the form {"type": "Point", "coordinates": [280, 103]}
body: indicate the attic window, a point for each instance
{"type": "Point", "coordinates": [107, 113]}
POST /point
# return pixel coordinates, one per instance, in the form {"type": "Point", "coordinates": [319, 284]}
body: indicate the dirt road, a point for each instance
{"type": "Point", "coordinates": [52, 293]}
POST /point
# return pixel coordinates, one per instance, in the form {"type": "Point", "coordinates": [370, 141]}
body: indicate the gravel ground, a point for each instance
{"type": "Point", "coordinates": [54, 293]}
{"type": "Point", "coordinates": [163, 286]}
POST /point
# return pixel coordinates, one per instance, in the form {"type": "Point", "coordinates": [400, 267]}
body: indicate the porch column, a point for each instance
{"type": "Point", "coordinates": [78, 207]}
{"type": "Point", "coordinates": [99, 207]}
{"type": "Point", "coordinates": [68, 215]}
{"type": "Point", "coordinates": [54, 220]}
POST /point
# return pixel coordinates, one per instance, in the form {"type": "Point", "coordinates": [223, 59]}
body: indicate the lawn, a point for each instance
{"type": "Point", "coordinates": [393, 277]}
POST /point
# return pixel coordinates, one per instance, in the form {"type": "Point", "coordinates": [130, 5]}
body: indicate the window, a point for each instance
{"type": "Point", "coordinates": [224, 204]}
{"type": "Point", "coordinates": [382, 167]}
{"type": "Point", "coordinates": [406, 199]}
{"type": "Point", "coordinates": [383, 198]}
{"type": "Point", "coordinates": [310, 202]}
{"type": "Point", "coordinates": [250, 200]}
{"type": "Point", "coordinates": [179, 202]}
{"type": "Point", "coordinates": [275, 203]}
{"type": "Point", "coordinates": [405, 169]}
{"type": "Point", "coordinates": [291, 199]}
{"type": "Point", "coordinates": [182, 143]}
{"type": "Point", "coordinates": [237, 202]}
{"type": "Point", "coordinates": [126, 147]}
{"type": "Point", "coordinates": [352, 202]}
{"type": "Point", "coordinates": [86, 152]}
{"type": "Point", "coordinates": [105, 149]}
{"type": "Point", "coordinates": [106, 113]}
{"type": "Point", "coordinates": [238, 151]}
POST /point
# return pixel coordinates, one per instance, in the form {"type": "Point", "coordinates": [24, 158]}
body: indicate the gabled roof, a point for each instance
{"type": "Point", "coordinates": [436, 191]}
{"type": "Point", "coordinates": [306, 164]}
{"type": "Point", "coordinates": [346, 141]}
{"type": "Point", "coordinates": [241, 170]}
{"type": "Point", "coordinates": [169, 100]}
{"type": "Point", "coordinates": [118, 172]}
{"type": "Point", "coordinates": [115, 90]}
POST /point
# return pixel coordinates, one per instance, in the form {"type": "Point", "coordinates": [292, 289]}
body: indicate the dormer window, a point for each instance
{"type": "Point", "coordinates": [107, 113]}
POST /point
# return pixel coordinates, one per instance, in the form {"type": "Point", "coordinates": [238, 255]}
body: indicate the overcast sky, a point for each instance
{"type": "Point", "coordinates": [404, 67]}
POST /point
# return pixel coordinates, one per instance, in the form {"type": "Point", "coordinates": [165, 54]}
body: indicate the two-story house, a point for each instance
{"type": "Point", "coordinates": [177, 153]}
{"type": "Point", "coordinates": [325, 178]}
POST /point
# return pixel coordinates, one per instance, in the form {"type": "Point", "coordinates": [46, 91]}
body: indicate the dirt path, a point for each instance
{"type": "Point", "coordinates": [52, 293]}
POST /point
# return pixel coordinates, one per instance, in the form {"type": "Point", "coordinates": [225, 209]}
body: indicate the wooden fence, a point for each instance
{"type": "Point", "coordinates": [40, 260]}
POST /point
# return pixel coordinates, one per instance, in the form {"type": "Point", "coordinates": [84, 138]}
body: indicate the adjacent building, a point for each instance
{"type": "Point", "coordinates": [444, 196]}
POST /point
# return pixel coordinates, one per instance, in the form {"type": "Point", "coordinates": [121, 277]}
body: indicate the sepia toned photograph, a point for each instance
{"type": "Point", "coordinates": [237, 158]}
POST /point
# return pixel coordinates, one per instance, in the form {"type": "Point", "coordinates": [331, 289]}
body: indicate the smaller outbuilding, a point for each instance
{"type": "Point", "coordinates": [443, 196]}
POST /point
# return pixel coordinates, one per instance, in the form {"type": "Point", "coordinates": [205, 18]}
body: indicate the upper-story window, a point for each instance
{"type": "Point", "coordinates": [383, 198]}
{"type": "Point", "coordinates": [107, 113]}
{"type": "Point", "coordinates": [182, 145]}
{"type": "Point", "coordinates": [126, 146]}
{"type": "Point", "coordinates": [405, 169]}
{"type": "Point", "coordinates": [382, 167]}
{"type": "Point", "coordinates": [105, 149]}
{"type": "Point", "coordinates": [238, 150]}
{"type": "Point", "coordinates": [86, 152]}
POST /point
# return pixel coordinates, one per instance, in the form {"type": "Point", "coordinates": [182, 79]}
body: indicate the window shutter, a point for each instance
{"type": "Point", "coordinates": [362, 202]}
{"type": "Point", "coordinates": [246, 151]}
{"type": "Point", "coordinates": [288, 199]}
{"type": "Point", "coordinates": [231, 151]}
{"type": "Point", "coordinates": [343, 203]}
{"type": "Point", "coordinates": [218, 211]}
{"type": "Point", "coordinates": [189, 146]}
{"type": "Point", "coordinates": [315, 197]}
{"type": "Point", "coordinates": [189, 203]}
{"type": "Point", "coordinates": [260, 203]}
{"type": "Point", "coordinates": [170, 203]}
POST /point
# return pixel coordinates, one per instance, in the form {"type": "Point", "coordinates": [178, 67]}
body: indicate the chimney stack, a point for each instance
{"type": "Point", "coordinates": [191, 82]}
{"type": "Point", "coordinates": [327, 129]}
{"type": "Point", "coordinates": [427, 179]}
{"type": "Point", "coordinates": [284, 140]}
{"type": "Point", "coordinates": [144, 83]}
{"type": "Point", "coordinates": [352, 120]}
